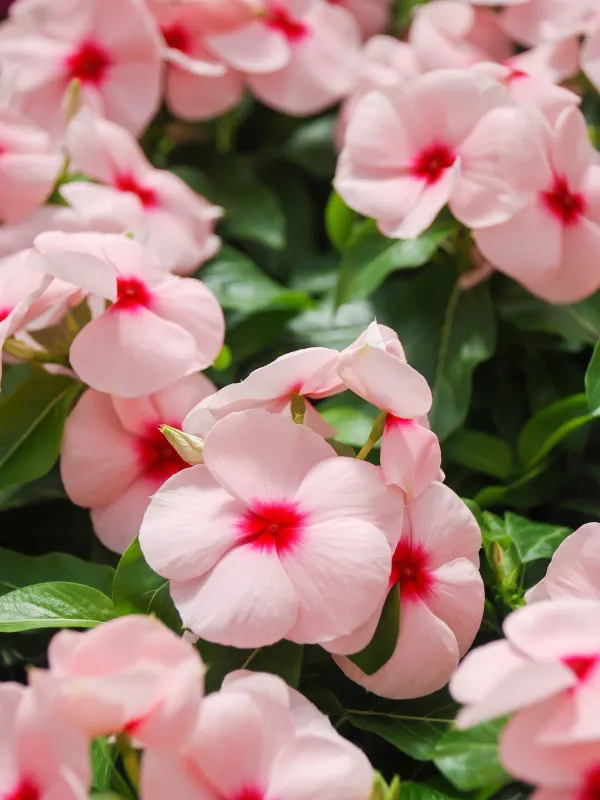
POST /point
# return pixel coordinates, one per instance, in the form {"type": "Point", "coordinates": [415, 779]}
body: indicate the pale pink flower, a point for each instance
{"type": "Point", "coordinates": [284, 748]}
{"type": "Point", "coordinates": [172, 220]}
{"type": "Point", "coordinates": [447, 34]}
{"type": "Point", "coordinates": [549, 20]}
{"type": "Point", "coordinates": [275, 537]}
{"type": "Point", "coordinates": [547, 674]}
{"type": "Point", "coordinates": [575, 568]}
{"type": "Point", "coordinates": [309, 373]}
{"type": "Point", "coordinates": [435, 565]}
{"type": "Point", "coordinates": [130, 675]}
{"type": "Point", "coordinates": [158, 328]}
{"type": "Point", "coordinates": [114, 456]}
{"type": "Point", "coordinates": [553, 61]}
{"type": "Point", "coordinates": [198, 85]}
{"type": "Point", "coordinates": [431, 140]}
{"type": "Point", "coordinates": [411, 457]}
{"type": "Point", "coordinates": [113, 50]}
{"type": "Point", "coordinates": [299, 56]}
{"type": "Point", "coordinates": [21, 235]}
{"type": "Point", "coordinates": [218, 16]}
{"type": "Point", "coordinates": [590, 53]}
{"type": "Point", "coordinates": [43, 756]}
{"type": "Point", "coordinates": [372, 15]}
{"type": "Point", "coordinates": [29, 166]}
{"type": "Point", "coordinates": [552, 244]}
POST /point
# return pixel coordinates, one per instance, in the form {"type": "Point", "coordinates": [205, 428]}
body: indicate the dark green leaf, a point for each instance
{"type": "Point", "coordinates": [252, 212]}
{"type": "Point", "coordinates": [17, 570]}
{"type": "Point", "coordinates": [351, 417]}
{"type": "Point", "coordinates": [54, 605]}
{"type": "Point", "coordinates": [41, 491]}
{"type": "Point", "coordinates": [139, 590]}
{"type": "Point", "coordinates": [469, 759]}
{"type": "Point", "coordinates": [480, 452]}
{"type": "Point", "coordinates": [240, 285]}
{"type": "Point", "coordinates": [105, 775]}
{"type": "Point", "coordinates": [369, 257]}
{"type": "Point", "coordinates": [417, 791]}
{"type": "Point", "coordinates": [325, 326]}
{"type": "Point", "coordinates": [550, 426]}
{"type": "Point", "coordinates": [339, 220]}
{"type": "Point", "coordinates": [311, 146]}
{"type": "Point", "coordinates": [534, 540]}
{"type": "Point", "coordinates": [31, 426]}
{"type": "Point", "coordinates": [592, 381]}
{"type": "Point", "coordinates": [283, 659]}
{"type": "Point", "coordinates": [381, 647]}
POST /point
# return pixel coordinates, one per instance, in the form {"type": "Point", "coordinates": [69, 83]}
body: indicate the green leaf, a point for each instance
{"type": "Point", "coordinates": [417, 791]}
{"type": "Point", "coordinates": [480, 452]}
{"type": "Point", "coordinates": [54, 605]}
{"type": "Point", "coordinates": [252, 211]}
{"type": "Point", "coordinates": [369, 257]}
{"type": "Point", "coordinates": [339, 220]}
{"type": "Point", "coordinates": [137, 589]}
{"type": "Point", "coordinates": [223, 360]}
{"type": "Point", "coordinates": [311, 146]}
{"type": "Point", "coordinates": [351, 417]}
{"type": "Point", "coordinates": [469, 759]}
{"type": "Point", "coordinates": [240, 285]}
{"type": "Point", "coordinates": [381, 647]}
{"type": "Point", "coordinates": [18, 570]}
{"type": "Point", "coordinates": [105, 775]}
{"type": "Point", "coordinates": [592, 381]}
{"type": "Point", "coordinates": [283, 659]}
{"type": "Point", "coordinates": [43, 490]}
{"type": "Point", "coordinates": [326, 326]}
{"type": "Point", "coordinates": [534, 540]}
{"type": "Point", "coordinates": [31, 426]}
{"type": "Point", "coordinates": [546, 429]}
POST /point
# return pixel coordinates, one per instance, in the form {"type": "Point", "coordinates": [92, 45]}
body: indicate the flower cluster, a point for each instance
{"type": "Point", "coordinates": [546, 675]}
{"type": "Point", "coordinates": [134, 679]}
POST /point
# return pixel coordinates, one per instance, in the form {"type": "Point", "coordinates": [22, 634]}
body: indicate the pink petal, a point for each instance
{"type": "Point", "coordinates": [457, 598]}
{"type": "Point", "coordinates": [164, 775]}
{"type": "Point", "coordinates": [191, 97]}
{"type": "Point", "coordinates": [253, 49]}
{"type": "Point", "coordinates": [260, 456]}
{"type": "Point", "coordinates": [118, 522]}
{"type": "Point", "coordinates": [132, 95]}
{"type": "Point", "coordinates": [247, 600]}
{"type": "Point", "coordinates": [410, 455]}
{"type": "Point", "coordinates": [201, 518]}
{"type": "Point", "coordinates": [575, 567]}
{"type": "Point", "coordinates": [483, 669]}
{"type": "Point", "coordinates": [572, 151]}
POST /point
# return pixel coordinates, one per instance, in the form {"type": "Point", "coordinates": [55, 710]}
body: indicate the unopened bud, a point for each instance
{"type": "Point", "coordinates": [190, 448]}
{"type": "Point", "coordinates": [298, 408]}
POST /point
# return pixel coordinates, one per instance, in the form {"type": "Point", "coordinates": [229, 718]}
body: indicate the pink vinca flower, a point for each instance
{"type": "Point", "coordinates": [275, 537]}
{"type": "Point", "coordinates": [158, 328]}
{"type": "Point", "coordinates": [447, 34]}
{"type": "Point", "coordinates": [374, 367]}
{"type": "Point", "coordinates": [218, 16]}
{"type": "Point", "coordinates": [299, 56]}
{"type": "Point", "coordinates": [372, 15]}
{"type": "Point", "coordinates": [21, 235]}
{"type": "Point", "coordinates": [547, 674]}
{"type": "Point", "coordinates": [29, 166]}
{"type": "Point", "coordinates": [43, 756]}
{"type": "Point", "coordinates": [113, 50]}
{"type": "Point", "coordinates": [575, 568]}
{"type": "Point", "coordinates": [431, 140]}
{"type": "Point", "coordinates": [552, 244]}
{"type": "Point", "coordinates": [198, 85]}
{"type": "Point", "coordinates": [114, 456]}
{"type": "Point", "coordinates": [172, 220]}
{"type": "Point", "coordinates": [285, 749]}
{"type": "Point", "coordinates": [130, 675]}
{"type": "Point", "coordinates": [435, 565]}
{"type": "Point", "coordinates": [309, 373]}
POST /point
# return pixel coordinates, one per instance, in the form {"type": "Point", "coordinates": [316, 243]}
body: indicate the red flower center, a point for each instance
{"type": "Point", "coordinates": [410, 571]}
{"type": "Point", "coordinates": [89, 63]}
{"type": "Point", "coordinates": [131, 295]}
{"type": "Point", "coordinates": [565, 205]}
{"type": "Point", "coordinates": [4, 312]}
{"type": "Point", "coordinates": [176, 36]}
{"type": "Point", "coordinates": [431, 163]}
{"type": "Point", "coordinates": [591, 787]}
{"type": "Point", "coordinates": [279, 19]}
{"type": "Point", "coordinates": [582, 666]}
{"type": "Point", "coordinates": [127, 182]}
{"type": "Point", "coordinates": [26, 790]}
{"type": "Point", "coordinates": [157, 458]}
{"type": "Point", "coordinates": [249, 794]}
{"type": "Point", "coordinates": [271, 526]}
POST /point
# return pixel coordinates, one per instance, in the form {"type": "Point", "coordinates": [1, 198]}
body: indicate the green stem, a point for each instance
{"type": "Point", "coordinates": [374, 436]}
{"type": "Point", "coordinates": [130, 759]}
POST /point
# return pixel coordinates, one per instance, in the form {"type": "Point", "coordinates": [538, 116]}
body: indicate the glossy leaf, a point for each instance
{"type": "Point", "coordinates": [381, 647]}
{"type": "Point", "coordinates": [54, 605]}
{"type": "Point", "coordinates": [546, 429]}
{"type": "Point", "coordinates": [417, 791]}
{"type": "Point", "coordinates": [18, 570]}
{"type": "Point", "coordinates": [283, 659]}
{"type": "Point", "coordinates": [592, 381]}
{"type": "Point", "coordinates": [480, 452]}
{"type": "Point", "coordinates": [469, 759]}
{"type": "Point", "coordinates": [339, 220]}
{"type": "Point", "coordinates": [534, 540]}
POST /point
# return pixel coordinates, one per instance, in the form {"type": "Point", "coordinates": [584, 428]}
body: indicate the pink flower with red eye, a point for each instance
{"type": "Point", "coordinates": [112, 50]}
{"type": "Point", "coordinates": [114, 456]}
{"type": "Point", "coordinates": [552, 244]}
{"type": "Point", "coordinates": [574, 570]}
{"type": "Point", "coordinates": [131, 675]}
{"type": "Point", "coordinates": [158, 328]}
{"type": "Point", "coordinates": [372, 15]}
{"type": "Point", "coordinates": [309, 373]}
{"type": "Point", "coordinates": [274, 537]}
{"type": "Point", "coordinates": [198, 85]}
{"type": "Point", "coordinates": [42, 754]}
{"type": "Point", "coordinates": [441, 595]}
{"type": "Point", "coordinates": [29, 166]}
{"type": "Point", "coordinates": [580, 779]}
{"type": "Point", "coordinates": [431, 140]}
{"type": "Point", "coordinates": [285, 749]}
{"type": "Point", "coordinates": [299, 56]}
{"type": "Point", "coordinates": [411, 457]}
{"type": "Point", "coordinates": [172, 220]}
